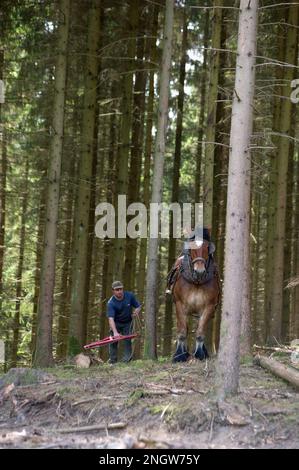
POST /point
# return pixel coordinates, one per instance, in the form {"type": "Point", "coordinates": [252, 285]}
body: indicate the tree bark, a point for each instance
{"type": "Point", "coordinates": [201, 119]}
{"type": "Point", "coordinates": [258, 324]}
{"type": "Point", "coordinates": [150, 351]}
{"type": "Point", "coordinates": [3, 169]}
{"type": "Point", "coordinates": [281, 184]}
{"type": "Point", "coordinates": [151, 49]}
{"type": "Point", "coordinates": [107, 268]}
{"type": "Point", "coordinates": [16, 322]}
{"type": "Point", "coordinates": [136, 156]}
{"type": "Point", "coordinates": [63, 316]}
{"type": "Point", "coordinates": [238, 200]}
{"type": "Point", "coordinates": [219, 185]}
{"type": "Point", "coordinates": [291, 232]}
{"type": "Point", "coordinates": [168, 319]}
{"type": "Point", "coordinates": [37, 274]}
{"type": "Point", "coordinates": [43, 351]}
{"type": "Point", "coordinates": [82, 207]}
{"type": "Point", "coordinates": [271, 209]}
{"type": "Point", "coordinates": [145, 195]}
{"type": "Point", "coordinates": [211, 114]}
{"type": "Point", "coordinates": [125, 131]}
{"type": "Point", "coordinates": [294, 320]}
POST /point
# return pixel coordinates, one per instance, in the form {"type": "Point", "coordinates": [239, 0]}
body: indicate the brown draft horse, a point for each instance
{"type": "Point", "coordinates": [196, 291]}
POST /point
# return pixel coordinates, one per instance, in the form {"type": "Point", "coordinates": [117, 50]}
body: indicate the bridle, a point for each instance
{"type": "Point", "coordinates": [199, 258]}
{"type": "Point", "coordinates": [187, 268]}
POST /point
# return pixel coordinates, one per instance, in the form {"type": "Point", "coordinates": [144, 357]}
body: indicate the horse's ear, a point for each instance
{"type": "Point", "coordinates": [212, 248]}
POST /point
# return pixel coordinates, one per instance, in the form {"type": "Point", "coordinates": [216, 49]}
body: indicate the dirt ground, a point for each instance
{"type": "Point", "coordinates": [150, 405]}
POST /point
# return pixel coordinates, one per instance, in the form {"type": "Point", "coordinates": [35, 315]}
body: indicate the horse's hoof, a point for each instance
{"type": "Point", "coordinates": [201, 353]}
{"type": "Point", "coordinates": [181, 357]}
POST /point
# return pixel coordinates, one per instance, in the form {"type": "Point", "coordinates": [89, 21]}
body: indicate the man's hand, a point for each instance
{"type": "Point", "coordinates": [113, 327]}
{"type": "Point", "coordinates": [137, 311]}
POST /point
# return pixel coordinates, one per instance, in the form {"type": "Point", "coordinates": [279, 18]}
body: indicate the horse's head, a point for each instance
{"type": "Point", "coordinates": [200, 251]}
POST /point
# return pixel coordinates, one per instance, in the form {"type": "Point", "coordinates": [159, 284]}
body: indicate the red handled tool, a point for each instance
{"type": "Point", "coordinates": [109, 340]}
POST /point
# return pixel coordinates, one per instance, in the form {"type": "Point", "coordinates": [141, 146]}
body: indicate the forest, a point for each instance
{"type": "Point", "coordinates": [163, 102]}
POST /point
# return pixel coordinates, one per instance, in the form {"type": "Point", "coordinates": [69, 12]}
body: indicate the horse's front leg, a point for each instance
{"type": "Point", "coordinates": [181, 354]}
{"type": "Point", "coordinates": [200, 348]}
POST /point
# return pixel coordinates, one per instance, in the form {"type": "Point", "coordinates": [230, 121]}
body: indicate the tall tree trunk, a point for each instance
{"type": "Point", "coordinates": [107, 267]}
{"type": "Point", "coordinates": [91, 223]}
{"type": "Point", "coordinates": [290, 233]}
{"type": "Point", "coordinates": [168, 319]}
{"type": "Point", "coordinates": [43, 351]}
{"type": "Point", "coordinates": [201, 119]}
{"type": "Point", "coordinates": [136, 156]}
{"type": "Point", "coordinates": [238, 200]}
{"type": "Point", "coordinates": [245, 333]}
{"type": "Point", "coordinates": [150, 351]}
{"type": "Point", "coordinates": [145, 195]}
{"type": "Point", "coordinates": [258, 325]}
{"type": "Point", "coordinates": [281, 184]}
{"type": "Point", "coordinates": [63, 316]}
{"type": "Point", "coordinates": [125, 132]}
{"type": "Point", "coordinates": [38, 259]}
{"type": "Point", "coordinates": [212, 110]}
{"type": "Point", "coordinates": [82, 207]}
{"type": "Point", "coordinates": [294, 317]}
{"type": "Point", "coordinates": [271, 202]}
{"type": "Point", "coordinates": [151, 50]}
{"type": "Point", "coordinates": [16, 322]}
{"type": "Point", "coordinates": [3, 169]}
{"type": "Point", "coordinates": [219, 188]}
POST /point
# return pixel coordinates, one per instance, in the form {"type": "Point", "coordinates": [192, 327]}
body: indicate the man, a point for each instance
{"type": "Point", "coordinates": [120, 316]}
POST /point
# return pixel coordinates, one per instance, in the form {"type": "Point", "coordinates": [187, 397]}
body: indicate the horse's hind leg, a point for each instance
{"type": "Point", "coordinates": [200, 348]}
{"type": "Point", "coordinates": [181, 353]}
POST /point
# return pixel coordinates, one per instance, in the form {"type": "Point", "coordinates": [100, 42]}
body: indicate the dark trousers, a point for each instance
{"type": "Point", "coordinates": [123, 329]}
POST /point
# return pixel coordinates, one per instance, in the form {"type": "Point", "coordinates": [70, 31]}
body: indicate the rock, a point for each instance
{"type": "Point", "coordinates": [295, 343]}
{"type": "Point", "coordinates": [25, 376]}
{"type": "Point", "coordinates": [5, 392]}
{"type": "Point", "coordinates": [82, 361]}
{"type": "Point", "coordinates": [295, 354]}
{"type": "Point", "coordinates": [295, 357]}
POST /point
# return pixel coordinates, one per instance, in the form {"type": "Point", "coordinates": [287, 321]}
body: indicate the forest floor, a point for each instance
{"type": "Point", "coordinates": [147, 404]}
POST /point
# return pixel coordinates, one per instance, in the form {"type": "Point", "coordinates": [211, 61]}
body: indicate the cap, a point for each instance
{"type": "Point", "coordinates": [117, 285]}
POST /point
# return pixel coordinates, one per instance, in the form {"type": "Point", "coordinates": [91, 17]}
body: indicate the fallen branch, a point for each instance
{"type": "Point", "coordinates": [96, 427]}
{"type": "Point", "coordinates": [287, 350]}
{"type": "Point", "coordinates": [98, 398]}
{"type": "Point", "coordinates": [287, 373]}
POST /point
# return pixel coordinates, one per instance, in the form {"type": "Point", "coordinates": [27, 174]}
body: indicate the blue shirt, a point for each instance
{"type": "Point", "coordinates": [121, 310]}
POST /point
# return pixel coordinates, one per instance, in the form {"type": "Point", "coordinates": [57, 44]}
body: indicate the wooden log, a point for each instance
{"type": "Point", "coordinates": [280, 370]}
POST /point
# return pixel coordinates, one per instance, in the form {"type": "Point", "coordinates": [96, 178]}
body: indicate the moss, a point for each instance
{"type": "Point", "coordinates": [248, 359]}
{"type": "Point", "coordinates": [134, 397]}
{"type": "Point", "coordinates": [24, 376]}
{"type": "Point", "coordinates": [167, 411]}
{"type": "Point", "coordinates": [73, 347]}
{"type": "Point", "coordinates": [64, 391]}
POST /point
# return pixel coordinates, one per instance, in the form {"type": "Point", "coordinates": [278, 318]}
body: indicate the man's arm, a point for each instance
{"type": "Point", "coordinates": [113, 327]}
